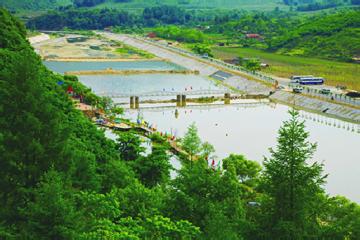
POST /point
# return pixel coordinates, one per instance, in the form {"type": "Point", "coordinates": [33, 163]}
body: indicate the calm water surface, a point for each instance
{"type": "Point", "coordinates": [243, 129]}
{"type": "Point", "coordinates": [144, 83]}
{"type": "Point", "coordinates": [62, 67]}
{"type": "Point", "coordinates": [252, 130]}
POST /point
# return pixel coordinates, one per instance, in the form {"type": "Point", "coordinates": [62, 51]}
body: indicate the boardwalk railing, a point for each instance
{"type": "Point", "coordinates": [164, 93]}
{"type": "Point", "coordinates": [339, 97]}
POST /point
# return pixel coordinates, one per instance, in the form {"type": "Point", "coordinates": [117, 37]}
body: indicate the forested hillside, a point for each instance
{"type": "Point", "coordinates": [333, 36]}
{"type": "Point", "coordinates": [141, 4]}
{"type": "Point", "coordinates": [313, 5]}
{"type": "Point", "coordinates": [33, 4]}
{"type": "Point", "coordinates": [61, 178]}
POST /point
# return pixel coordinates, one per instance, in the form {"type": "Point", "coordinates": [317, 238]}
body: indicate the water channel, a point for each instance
{"type": "Point", "coordinates": [248, 128]}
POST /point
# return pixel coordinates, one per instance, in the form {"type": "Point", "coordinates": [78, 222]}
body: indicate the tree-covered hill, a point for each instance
{"type": "Point", "coordinates": [140, 4]}
{"type": "Point", "coordinates": [61, 178]}
{"type": "Point", "coordinates": [33, 4]}
{"type": "Point", "coordinates": [333, 36]}
{"type": "Point", "coordinates": [200, 4]}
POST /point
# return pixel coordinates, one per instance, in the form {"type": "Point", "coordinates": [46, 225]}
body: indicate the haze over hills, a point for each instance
{"type": "Point", "coordinates": [260, 5]}
{"type": "Point", "coordinates": [206, 4]}
{"type": "Point", "coordinates": [33, 4]}
{"type": "Point", "coordinates": [199, 4]}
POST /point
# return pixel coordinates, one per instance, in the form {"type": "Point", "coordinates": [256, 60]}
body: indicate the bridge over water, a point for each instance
{"type": "Point", "coordinates": [205, 92]}
{"type": "Point", "coordinates": [203, 106]}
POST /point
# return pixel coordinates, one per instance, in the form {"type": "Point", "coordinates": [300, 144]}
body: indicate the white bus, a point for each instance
{"type": "Point", "coordinates": [296, 79]}
{"type": "Point", "coordinates": [311, 81]}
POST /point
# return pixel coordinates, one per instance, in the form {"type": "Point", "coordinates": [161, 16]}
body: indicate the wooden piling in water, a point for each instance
{"type": "Point", "coordinates": [178, 100]}
{"type": "Point", "coordinates": [137, 102]}
{"type": "Point", "coordinates": [132, 102]}
{"type": "Point", "coordinates": [183, 100]}
{"type": "Point", "coordinates": [227, 97]}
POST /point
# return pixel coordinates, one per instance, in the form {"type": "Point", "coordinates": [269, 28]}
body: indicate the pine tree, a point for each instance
{"type": "Point", "coordinates": [291, 182]}
{"type": "Point", "coordinates": [191, 141]}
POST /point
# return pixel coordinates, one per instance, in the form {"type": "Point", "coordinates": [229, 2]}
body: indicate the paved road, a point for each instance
{"type": "Point", "coordinates": [189, 61]}
{"type": "Point", "coordinates": [183, 61]}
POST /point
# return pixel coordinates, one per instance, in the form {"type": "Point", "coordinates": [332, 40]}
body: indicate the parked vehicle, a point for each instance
{"type": "Point", "coordinates": [296, 79]}
{"type": "Point", "coordinates": [307, 80]}
{"type": "Point", "coordinates": [297, 90]}
{"type": "Point", "coordinates": [311, 81]}
{"type": "Point", "coordinates": [325, 91]}
{"type": "Point", "coordinates": [341, 87]}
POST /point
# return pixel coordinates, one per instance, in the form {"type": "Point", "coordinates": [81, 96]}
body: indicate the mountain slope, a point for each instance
{"type": "Point", "coordinates": [140, 4]}
{"type": "Point", "coordinates": [199, 4]}
{"type": "Point", "coordinates": [334, 36]}
{"type": "Point", "coordinates": [33, 4]}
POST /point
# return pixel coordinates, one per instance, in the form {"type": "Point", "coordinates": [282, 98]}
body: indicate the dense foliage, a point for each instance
{"type": "Point", "coordinates": [325, 35]}
{"type": "Point", "coordinates": [165, 15]}
{"type": "Point", "coordinates": [333, 36]}
{"type": "Point", "coordinates": [187, 35]}
{"type": "Point", "coordinates": [61, 178]}
{"type": "Point", "coordinates": [141, 4]}
{"type": "Point", "coordinates": [87, 3]}
{"type": "Point", "coordinates": [81, 19]}
{"type": "Point", "coordinates": [56, 166]}
{"type": "Point", "coordinates": [313, 5]}
{"type": "Point", "coordinates": [32, 4]}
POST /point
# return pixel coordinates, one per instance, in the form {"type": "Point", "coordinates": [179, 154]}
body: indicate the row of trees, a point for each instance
{"type": "Point", "coordinates": [314, 5]}
{"type": "Point", "coordinates": [61, 178]}
{"type": "Point", "coordinates": [83, 18]}
{"type": "Point", "coordinates": [87, 3]}
{"type": "Point", "coordinates": [188, 35]}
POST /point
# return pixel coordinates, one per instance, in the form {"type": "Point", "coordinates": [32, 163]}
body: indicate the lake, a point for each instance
{"type": "Point", "coordinates": [248, 128]}
{"type": "Point", "coordinates": [145, 83]}
{"type": "Point", "coordinates": [62, 67]}
{"type": "Point", "coordinates": [252, 129]}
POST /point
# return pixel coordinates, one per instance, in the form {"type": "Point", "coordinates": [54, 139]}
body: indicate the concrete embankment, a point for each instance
{"type": "Point", "coordinates": [316, 105]}
{"type": "Point", "coordinates": [130, 72]}
{"type": "Point", "coordinates": [98, 59]}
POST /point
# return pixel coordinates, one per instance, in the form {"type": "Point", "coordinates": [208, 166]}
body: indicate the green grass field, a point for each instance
{"type": "Point", "coordinates": [335, 73]}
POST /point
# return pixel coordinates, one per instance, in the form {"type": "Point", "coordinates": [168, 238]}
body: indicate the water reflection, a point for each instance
{"type": "Point", "coordinates": [62, 67]}
{"type": "Point", "coordinates": [144, 83]}
{"type": "Point", "coordinates": [252, 130]}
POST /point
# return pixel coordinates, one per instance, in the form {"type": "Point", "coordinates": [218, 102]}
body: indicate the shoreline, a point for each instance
{"type": "Point", "coordinates": [317, 106]}
{"type": "Point", "coordinates": [129, 72]}
{"type": "Point", "coordinates": [101, 59]}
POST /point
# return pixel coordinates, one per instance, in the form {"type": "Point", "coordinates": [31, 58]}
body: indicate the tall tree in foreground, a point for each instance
{"type": "Point", "coordinates": [291, 183]}
{"type": "Point", "coordinates": [209, 199]}
{"type": "Point", "coordinates": [191, 142]}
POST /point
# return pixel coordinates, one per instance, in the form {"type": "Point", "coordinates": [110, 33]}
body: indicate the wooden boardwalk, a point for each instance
{"type": "Point", "coordinates": [145, 131]}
